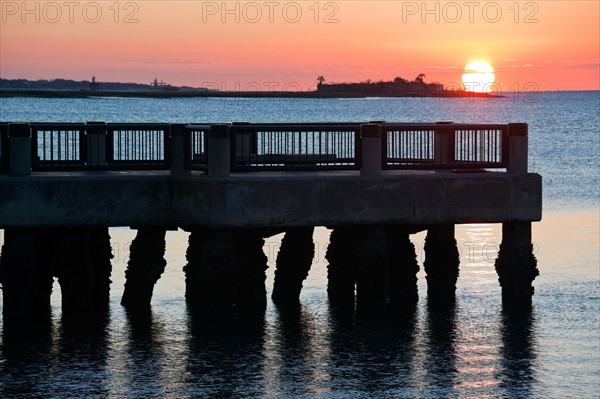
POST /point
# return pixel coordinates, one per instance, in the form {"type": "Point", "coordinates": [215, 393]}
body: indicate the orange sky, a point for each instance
{"type": "Point", "coordinates": [546, 44]}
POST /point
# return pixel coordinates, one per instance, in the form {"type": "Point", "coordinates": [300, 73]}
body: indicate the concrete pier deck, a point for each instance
{"type": "Point", "coordinates": [273, 199]}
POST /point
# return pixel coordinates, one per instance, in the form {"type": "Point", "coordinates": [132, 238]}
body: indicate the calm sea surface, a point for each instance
{"type": "Point", "coordinates": [475, 351]}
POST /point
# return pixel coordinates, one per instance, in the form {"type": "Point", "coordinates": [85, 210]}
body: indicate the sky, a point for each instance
{"type": "Point", "coordinates": [286, 45]}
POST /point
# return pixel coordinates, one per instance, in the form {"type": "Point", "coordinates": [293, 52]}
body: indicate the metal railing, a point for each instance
{"type": "Point", "coordinates": [58, 146]}
{"type": "Point", "coordinates": [78, 146]}
{"type": "Point", "coordinates": [197, 147]}
{"type": "Point", "coordinates": [444, 146]}
{"type": "Point", "coordinates": [485, 146]}
{"type": "Point", "coordinates": [324, 146]}
{"type": "Point", "coordinates": [138, 146]}
{"type": "Point", "coordinates": [259, 147]}
{"type": "Point", "coordinates": [408, 146]}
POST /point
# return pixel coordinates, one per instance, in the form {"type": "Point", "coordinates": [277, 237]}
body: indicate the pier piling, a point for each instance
{"type": "Point", "coordinates": [340, 271]}
{"type": "Point", "coordinates": [145, 266]}
{"type": "Point", "coordinates": [212, 271]}
{"type": "Point", "coordinates": [293, 264]}
{"type": "Point", "coordinates": [403, 267]}
{"type": "Point", "coordinates": [74, 271]}
{"type": "Point", "coordinates": [100, 256]}
{"type": "Point", "coordinates": [441, 262]}
{"type": "Point", "coordinates": [372, 268]}
{"type": "Point", "coordinates": [516, 264]}
{"type": "Point", "coordinates": [18, 274]}
{"type": "Point", "coordinates": [252, 293]}
{"type": "Point", "coordinates": [45, 256]}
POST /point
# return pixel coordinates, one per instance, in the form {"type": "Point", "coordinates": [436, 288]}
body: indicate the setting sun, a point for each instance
{"type": "Point", "coordinates": [478, 77]}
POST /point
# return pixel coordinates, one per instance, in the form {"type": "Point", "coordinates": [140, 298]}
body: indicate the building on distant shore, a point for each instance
{"type": "Point", "coordinates": [156, 85]}
{"type": "Point", "coordinates": [397, 87]}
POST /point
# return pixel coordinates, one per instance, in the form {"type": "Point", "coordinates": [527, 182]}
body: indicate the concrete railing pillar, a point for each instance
{"type": "Point", "coordinates": [219, 150]}
{"type": "Point", "coordinates": [96, 145]}
{"type": "Point", "coordinates": [178, 149]}
{"type": "Point", "coordinates": [370, 137]}
{"type": "Point", "coordinates": [3, 146]}
{"type": "Point", "coordinates": [245, 144]}
{"type": "Point", "coordinates": [517, 147]}
{"type": "Point", "coordinates": [444, 144]}
{"type": "Point", "coordinates": [19, 148]}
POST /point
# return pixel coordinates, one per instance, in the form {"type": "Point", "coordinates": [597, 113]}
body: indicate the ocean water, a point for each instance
{"type": "Point", "coordinates": [475, 350]}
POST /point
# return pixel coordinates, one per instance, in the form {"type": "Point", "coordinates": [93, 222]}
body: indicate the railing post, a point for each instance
{"type": "Point", "coordinates": [96, 145]}
{"type": "Point", "coordinates": [370, 137]}
{"type": "Point", "coordinates": [219, 150]}
{"type": "Point", "coordinates": [179, 160]}
{"type": "Point", "coordinates": [3, 146]}
{"type": "Point", "coordinates": [19, 148]}
{"type": "Point", "coordinates": [244, 143]}
{"type": "Point", "coordinates": [517, 147]}
{"type": "Point", "coordinates": [444, 146]}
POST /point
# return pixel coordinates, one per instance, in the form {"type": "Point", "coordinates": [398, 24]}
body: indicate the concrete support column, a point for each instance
{"type": "Point", "coordinates": [96, 144]}
{"type": "Point", "coordinates": [516, 265]}
{"type": "Point", "coordinates": [219, 150]}
{"type": "Point", "coordinates": [45, 254]}
{"type": "Point", "coordinates": [403, 267]}
{"type": "Point", "coordinates": [372, 268]}
{"type": "Point", "coordinates": [441, 262]}
{"type": "Point", "coordinates": [517, 147]}
{"type": "Point", "coordinates": [193, 268]}
{"type": "Point", "coordinates": [212, 272]}
{"type": "Point", "coordinates": [179, 158]}
{"type": "Point", "coordinates": [18, 274]}
{"type": "Point", "coordinates": [252, 293]}
{"type": "Point", "coordinates": [146, 265]}
{"type": "Point", "coordinates": [293, 264]}
{"type": "Point", "coordinates": [74, 271]}
{"type": "Point", "coordinates": [370, 137]}
{"type": "Point", "coordinates": [19, 143]}
{"type": "Point", "coordinates": [100, 257]}
{"type": "Point", "coordinates": [340, 271]}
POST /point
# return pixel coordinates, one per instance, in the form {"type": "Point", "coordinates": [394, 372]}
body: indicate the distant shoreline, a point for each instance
{"type": "Point", "coordinates": [50, 93]}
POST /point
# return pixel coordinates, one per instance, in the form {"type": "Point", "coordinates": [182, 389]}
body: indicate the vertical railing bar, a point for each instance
{"type": "Point", "coordinates": [51, 144]}
{"type": "Point", "coordinates": [66, 145]}
{"type": "Point", "coordinates": [476, 145]}
{"type": "Point", "coordinates": [43, 145]}
{"type": "Point", "coordinates": [59, 145]}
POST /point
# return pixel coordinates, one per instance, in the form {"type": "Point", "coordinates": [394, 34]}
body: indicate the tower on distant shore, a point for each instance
{"type": "Point", "coordinates": [93, 84]}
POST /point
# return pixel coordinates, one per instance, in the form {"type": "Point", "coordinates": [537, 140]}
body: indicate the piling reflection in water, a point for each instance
{"type": "Point", "coordinates": [290, 350]}
{"type": "Point", "coordinates": [376, 355]}
{"type": "Point", "coordinates": [518, 353]}
{"type": "Point", "coordinates": [440, 360]}
{"type": "Point", "coordinates": [225, 359]}
{"type": "Point", "coordinates": [143, 373]}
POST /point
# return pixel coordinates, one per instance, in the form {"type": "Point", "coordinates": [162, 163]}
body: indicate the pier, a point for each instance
{"type": "Point", "coordinates": [62, 186]}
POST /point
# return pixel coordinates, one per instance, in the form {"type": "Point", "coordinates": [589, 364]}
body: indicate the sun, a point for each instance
{"type": "Point", "coordinates": [478, 77]}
